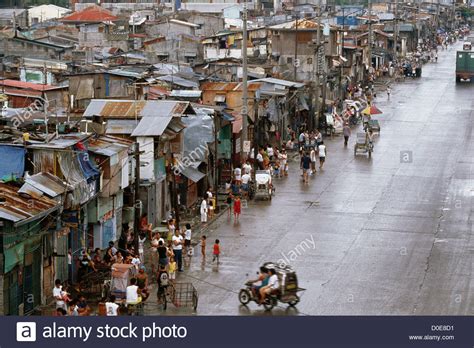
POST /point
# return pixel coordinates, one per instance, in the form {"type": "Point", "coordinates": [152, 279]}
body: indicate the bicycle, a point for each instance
{"type": "Point", "coordinates": [164, 296]}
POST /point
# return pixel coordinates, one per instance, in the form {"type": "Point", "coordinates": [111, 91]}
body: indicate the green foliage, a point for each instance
{"type": "Point", "coordinates": [467, 12]}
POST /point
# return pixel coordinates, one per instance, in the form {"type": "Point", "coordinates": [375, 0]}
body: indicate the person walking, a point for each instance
{"type": "Point", "coordinates": [346, 131]}
{"type": "Point", "coordinates": [172, 270]}
{"type": "Point", "coordinates": [284, 162]}
{"type": "Point", "coordinates": [389, 90]}
{"type": "Point", "coordinates": [237, 208]}
{"type": "Point", "coordinates": [216, 251]}
{"type": "Point", "coordinates": [322, 155]}
{"type": "Point", "coordinates": [305, 166]}
{"type": "Point", "coordinates": [238, 174]}
{"type": "Point", "coordinates": [178, 249]}
{"type": "Point", "coordinates": [312, 156]}
{"type": "Point", "coordinates": [187, 238]}
{"type": "Point", "coordinates": [203, 246]}
{"type": "Point", "coordinates": [203, 210]}
{"type": "Point", "coordinates": [229, 203]}
{"type": "Point", "coordinates": [162, 252]}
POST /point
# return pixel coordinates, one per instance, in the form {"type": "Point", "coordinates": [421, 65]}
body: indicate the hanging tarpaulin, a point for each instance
{"type": "Point", "coordinates": [302, 104]}
{"type": "Point", "coordinates": [14, 256]}
{"type": "Point", "coordinates": [88, 168]}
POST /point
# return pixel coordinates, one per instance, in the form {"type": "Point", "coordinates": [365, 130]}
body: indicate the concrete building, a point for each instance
{"type": "Point", "coordinates": [299, 37]}
{"type": "Point", "coordinates": [44, 13]}
{"type": "Point", "coordinates": [11, 16]}
{"type": "Point", "coordinates": [99, 28]}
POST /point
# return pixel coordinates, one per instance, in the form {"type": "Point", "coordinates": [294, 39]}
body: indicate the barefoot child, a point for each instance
{"type": "Point", "coordinates": [203, 246]}
{"type": "Point", "coordinates": [216, 251]}
{"type": "Point", "coordinates": [237, 208]}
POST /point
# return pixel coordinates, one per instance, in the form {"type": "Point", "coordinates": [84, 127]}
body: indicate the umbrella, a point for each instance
{"type": "Point", "coordinates": [372, 110]}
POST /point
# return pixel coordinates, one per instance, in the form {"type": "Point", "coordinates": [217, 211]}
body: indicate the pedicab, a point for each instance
{"type": "Point", "coordinates": [263, 184]}
{"type": "Point", "coordinates": [286, 293]}
{"type": "Point", "coordinates": [117, 286]}
{"type": "Point", "coordinates": [369, 123]}
{"type": "Point", "coordinates": [363, 145]}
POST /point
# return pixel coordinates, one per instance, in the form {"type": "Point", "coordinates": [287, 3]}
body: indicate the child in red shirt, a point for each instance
{"type": "Point", "coordinates": [237, 208]}
{"type": "Point", "coordinates": [216, 251]}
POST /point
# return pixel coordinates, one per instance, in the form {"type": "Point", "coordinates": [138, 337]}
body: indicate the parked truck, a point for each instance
{"type": "Point", "coordinates": [464, 66]}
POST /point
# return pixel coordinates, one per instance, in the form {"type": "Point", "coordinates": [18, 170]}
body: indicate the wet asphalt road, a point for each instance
{"type": "Point", "coordinates": [392, 235]}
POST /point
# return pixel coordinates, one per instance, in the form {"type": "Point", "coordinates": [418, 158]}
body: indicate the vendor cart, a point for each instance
{"type": "Point", "coordinates": [183, 295]}
{"type": "Point", "coordinates": [363, 145]}
{"type": "Point", "coordinates": [263, 186]}
{"type": "Point", "coordinates": [374, 126]}
{"type": "Point", "coordinates": [92, 282]}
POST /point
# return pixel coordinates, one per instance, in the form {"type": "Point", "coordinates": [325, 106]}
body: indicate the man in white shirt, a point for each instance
{"type": "Point", "coordinates": [246, 178]}
{"type": "Point", "coordinates": [178, 242]}
{"type": "Point", "coordinates": [322, 154]}
{"type": "Point", "coordinates": [132, 292]}
{"type": "Point", "coordinates": [247, 167]}
{"type": "Point", "coordinates": [301, 139]}
{"type": "Point", "coordinates": [270, 152]}
{"type": "Point", "coordinates": [238, 174]}
{"type": "Point", "coordinates": [272, 285]}
{"type": "Point", "coordinates": [260, 160]}
{"type": "Point", "coordinates": [111, 308]}
{"type": "Point", "coordinates": [58, 295]}
{"type": "Point", "coordinates": [312, 156]}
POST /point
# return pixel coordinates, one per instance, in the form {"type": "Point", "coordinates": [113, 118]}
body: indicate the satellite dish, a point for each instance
{"type": "Point", "coordinates": [256, 53]}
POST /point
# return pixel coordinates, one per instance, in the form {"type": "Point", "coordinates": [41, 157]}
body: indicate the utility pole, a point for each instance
{"type": "Point", "coordinates": [395, 32]}
{"type": "Point", "coordinates": [453, 23]}
{"type": "Point", "coordinates": [255, 139]}
{"type": "Point", "coordinates": [341, 71]}
{"type": "Point", "coordinates": [136, 200]}
{"type": "Point", "coordinates": [174, 193]}
{"type": "Point", "coordinates": [295, 63]}
{"type": "Point", "coordinates": [370, 35]}
{"type": "Point", "coordinates": [316, 66]}
{"type": "Point", "coordinates": [216, 172]}
{"type": "Point", "coordinates": [245, 110]}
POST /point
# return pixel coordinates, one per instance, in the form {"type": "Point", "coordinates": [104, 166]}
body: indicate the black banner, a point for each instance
{"type": "Point", "coordinates": [118, 332]}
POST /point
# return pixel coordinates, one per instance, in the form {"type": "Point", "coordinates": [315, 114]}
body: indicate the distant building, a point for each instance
{"type": "Point", "coordinates": [11, 16]}
{"type": "Point", "coordinates": [44, 13]}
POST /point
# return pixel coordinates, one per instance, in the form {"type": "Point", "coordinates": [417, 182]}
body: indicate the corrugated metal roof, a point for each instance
{"type": "Point", "coordinates": [23, 208]}
{"type": "Point", "coordinates": [28, 85]}
{"type": "Point", "coordinates": [156, 123]}
{"type": "Point", "coordinates": [186, 94]}
{"type": "Point", "coordinates": [191, 173]}
{"type": "Point", "coordinates": [229, 86]}
{"type": "Point", "coordinates": [46, 183]}
{"type": "Point", "coordinates": [108, 146]}
{"type": "Point", "coordinates": [302, 24]}
{"type": "Point", "coordinates": [178, 81]}
{"type": "Point", "coordinates": [91, 14]}
{"type": "Point", "coordinates": [120, 126]}
{"type": "Point", "coordinates": [274, 81]}
{"type": "Point", "coordinates": [63, 142]}
{"type": "Point", "coordinates": [116, 108]}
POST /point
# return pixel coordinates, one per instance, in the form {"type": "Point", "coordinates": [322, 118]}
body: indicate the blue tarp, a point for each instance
{"type": "Point", "coordinates": [88, 168]}
{"type": "Point", "coordinates": [12, 162]}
